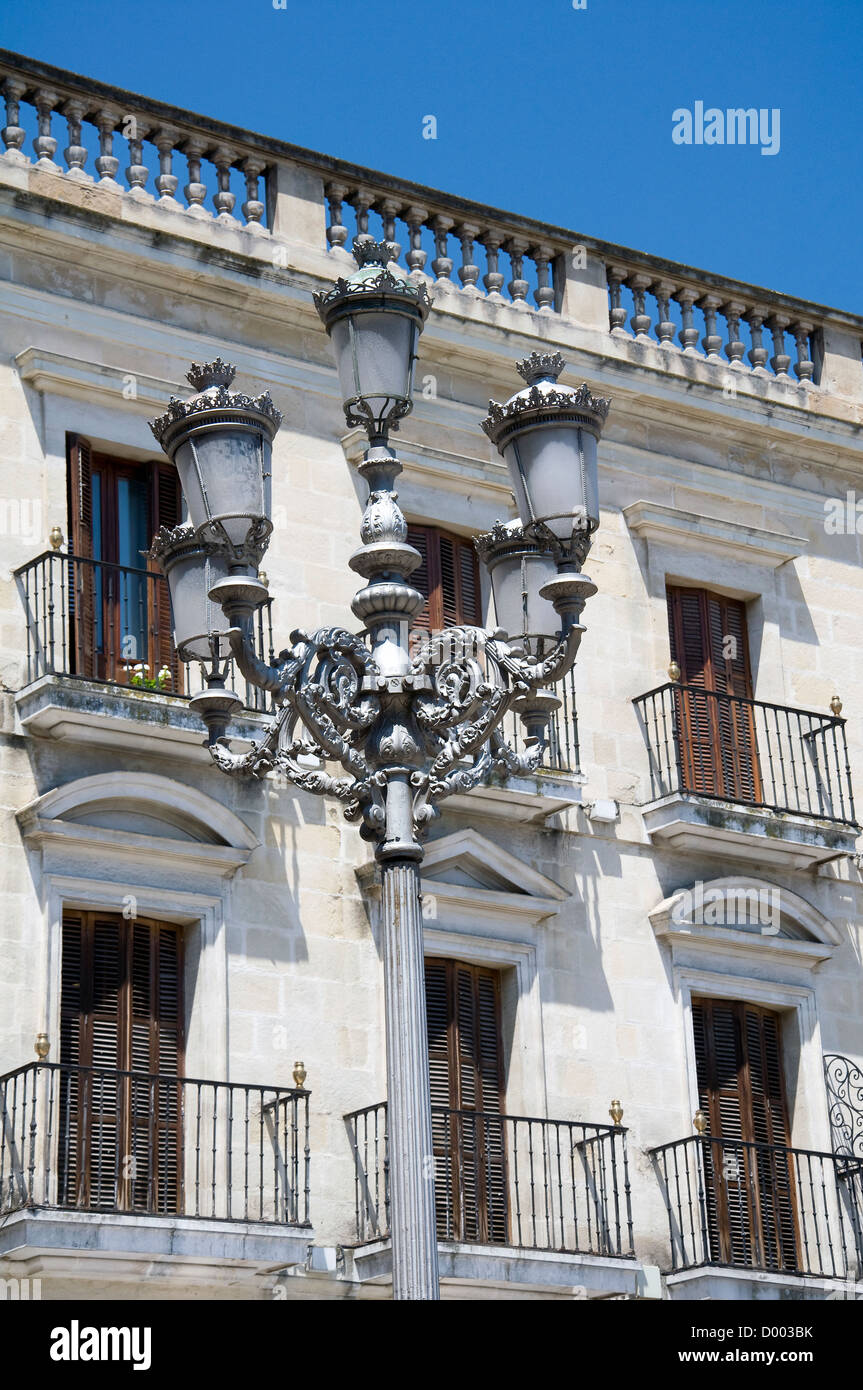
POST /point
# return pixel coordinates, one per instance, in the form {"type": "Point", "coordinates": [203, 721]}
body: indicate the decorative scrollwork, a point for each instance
{"type": "Point", "coordinates": [844, 1080]}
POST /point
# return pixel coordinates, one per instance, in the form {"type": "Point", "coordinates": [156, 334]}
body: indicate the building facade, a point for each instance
{"type": "Point", "coordinates": [643, 965]}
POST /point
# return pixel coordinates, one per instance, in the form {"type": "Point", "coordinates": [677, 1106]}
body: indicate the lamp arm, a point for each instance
{"type": "Point", "coordinates": [533, 675]}
{"type": "Point", "coordinates": [257, 672]}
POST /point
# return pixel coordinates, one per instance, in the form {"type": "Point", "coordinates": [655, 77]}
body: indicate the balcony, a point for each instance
{"type": "Point", "coordinates": [520, 1200]}
{"type": "Point", "coordinates": [154, 1168]}
{"type": "Point", "coordinates": [777, 1214]}
{"type": "Point", "coordinates": [97, 637]}
{"type": "Point", "coordinates": [742, 777]}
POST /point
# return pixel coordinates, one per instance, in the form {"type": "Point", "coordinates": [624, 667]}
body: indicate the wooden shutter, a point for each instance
{"type": "Point", "coordinates": [82, 578]}
{"type": "Point", "coordinates": [121, 1011]}
{"type": "Point", "coordinates": [448, 578]}
{"type": "Point", "coordinates": [718, 752]}
{"type": "Point", "coordinates": [165, 510]}
{"type": "Point", "coordinates": [749, 1192]}
{"type": "Point", "coordinates": [466, 1072]}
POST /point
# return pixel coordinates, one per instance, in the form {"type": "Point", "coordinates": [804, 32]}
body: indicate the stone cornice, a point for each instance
{"type": "Point", "coordinates": [732, 540]}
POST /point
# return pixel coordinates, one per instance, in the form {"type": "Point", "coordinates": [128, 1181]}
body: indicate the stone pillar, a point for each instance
{"type": "Point", "coordinates": [585, 288]}
{"type": "Point", "coordinates": [297, 210]}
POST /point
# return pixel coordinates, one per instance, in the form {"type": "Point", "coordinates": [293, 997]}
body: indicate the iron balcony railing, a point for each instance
{"type": "Point", "coordinates": [749, 752]}
{"type": "Point", "coordinates": [528, 1183]}
{"type": "Point", "coordinates": [103, 1140]}
{"type": "Point", "coordinates": [762, 1206]}
{"type": "Point", "coordinates": [99, 621]}
{"type": "Point", "coordinates": [562, 754]}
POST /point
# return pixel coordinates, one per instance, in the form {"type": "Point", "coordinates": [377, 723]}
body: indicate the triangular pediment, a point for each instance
{"type": "Point", "coordinates": [467, 858]}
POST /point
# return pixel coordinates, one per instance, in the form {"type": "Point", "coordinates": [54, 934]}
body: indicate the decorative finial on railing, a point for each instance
{"type": "Point", "coordinates": [42, 1046]}
{"type": "Point", "coordinates": [836, 705]}
{"type": "Point", "coordinates": [202, 375]}
{"type": "Point", "coordinates": [540, 366]}
{"type": "Point", "coordinates": [699, 1122]}
{"type": "Point", "coordinates": [615, 1110]}
{"type": "Point", "coordinates": [300, 1075]}
{"type": "Point", "coordinates": [55, 537]}
{"type": "Point", "coordinates": [673, 671]}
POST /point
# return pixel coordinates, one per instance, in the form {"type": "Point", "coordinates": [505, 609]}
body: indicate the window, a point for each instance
{"type": "Point", "coordinates": [121, 1028]}
{"type": "Point", "coordinates": [466, 1070]}
{"type": "Point", "coordinates": [118, 602]}
{"type": "Point", "coordinates": [448, 578]}
{"type": "Point", "coordinates": [750, 1198]}
{"type": "Point", "coordinates": [716, 731]}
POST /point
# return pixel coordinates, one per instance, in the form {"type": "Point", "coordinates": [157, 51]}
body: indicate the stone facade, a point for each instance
{"type": "Point", "coordinates": [711, 474]}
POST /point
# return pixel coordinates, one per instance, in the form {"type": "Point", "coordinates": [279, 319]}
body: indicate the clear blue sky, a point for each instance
{"type": "Point", "coordinates": [556, 113]}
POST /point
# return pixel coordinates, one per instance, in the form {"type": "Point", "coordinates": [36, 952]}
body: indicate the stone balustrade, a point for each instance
{"type": "Point", "coordinates": [624, 305]}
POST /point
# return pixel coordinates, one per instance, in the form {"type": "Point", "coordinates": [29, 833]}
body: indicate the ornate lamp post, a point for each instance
{"type": "Point", "coordinates": [408, 727]}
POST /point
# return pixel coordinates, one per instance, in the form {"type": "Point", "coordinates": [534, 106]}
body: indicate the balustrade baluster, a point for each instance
{"type": "Point", "coordinates": [337, 234]}
{"type": "Point", "coordinates": [44, 143]}
{"type": "Point", "coordinates": [137, 172]}
{"type": "Point", "coordinates": [617, 311]}
{"type": "Point", "coordinates": [253, 208]}
{"type": "Point", "coordinates": [518, 286]}
{"type": "Point", "coordinates": [165, 141]}
{"type": "Point", "coordinates": [75, 154]}
{"type": "Point", "coordinates": [223, 199]}
{"type": "Point", "coordinates": [442, 263]}
{"type": "Point", "coordinates": [640, 321]}
{"type": "Point", "coordinates": [363, 200]}
{"type": "Point", "coordinates": [688, 333]}
{"type": "Point", "coordinates": [468, 271]}
{"type": "Point", "coordinates": [107, 162]}
{"type": "Point", "coordinates": [13, 134]}
{"type": "Point", "coordinates": [416, 256]}
{"type": "Point", "coordinates": [544, 292]}
{"type": "Point", "coordinates": [780, 361]}
{"type": "Point", "coordinates": [390, 209]}
{"type": "Point", "coordinates": [734, 348]}
{"type": "Point", "coordinates": [804, 366]}
{"type": "Point", "coordinates": [758, 353]}
{"type": "Point", "coordinates": [195, 190]}
{"type": "Point", "coordinates": [711, 342]}
{"type": "Point", "coordinates": [662, 290]}
{"type": "Point", "coordinates": [494, 277]}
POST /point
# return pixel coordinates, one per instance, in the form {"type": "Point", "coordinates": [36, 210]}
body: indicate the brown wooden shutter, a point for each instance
{"type": "Point", "coordinates": [121, 1011]}
{"type": "Point", "coordinates": [165, 510]}
{"type": "Point", "coordinates": [749, 1192]}
{"type": "Point", "coordinates": [719, 753]}
{"type": "Point", "coordinates": [448, 578]}
{"type": "Point", "coordinates": [466, 1072]}
{"type": "Point", "coordinates": [82, 577]}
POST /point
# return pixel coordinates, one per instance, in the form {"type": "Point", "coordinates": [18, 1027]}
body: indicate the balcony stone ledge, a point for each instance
{"type": "Point", "coordinates": [127, 1245]}
{"type": "Point", "coordinates": [63, 707]}
{"type": "Point", "coordinates": [707, 826]}
{"type": "Point", "coordinates": [753, 1285]}
{"type": "Point", "coordinates": [484, 1271]}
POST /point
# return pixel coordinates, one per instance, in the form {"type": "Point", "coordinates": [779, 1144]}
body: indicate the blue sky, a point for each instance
{"type": "Point", "coordinates": [553, 112]}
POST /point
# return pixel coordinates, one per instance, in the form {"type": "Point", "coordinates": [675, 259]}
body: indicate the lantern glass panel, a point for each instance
{"type": "Point", "coordinates": [195, 616]}
{"type": "Point", "coordinates": [375, 352]}
{"type": "Point", "coordinates": [554, 475]}
{"type": "Point", "coordinates": [516, 580]}
{"type": "Point", "coordinates": [234, 483]}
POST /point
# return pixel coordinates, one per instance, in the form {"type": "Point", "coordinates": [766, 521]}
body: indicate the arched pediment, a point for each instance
{"type": "Point", "coordinates": [122, 813]}
{"type": "Point", "coordinates": [745, 916]}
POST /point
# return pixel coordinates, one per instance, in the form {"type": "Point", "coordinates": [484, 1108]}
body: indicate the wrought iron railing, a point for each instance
{"type": "Point", "coordinates": [844, 1080]}
{"type": "Point", "coordinates": [749, 752]}
{"type": "Point", "coordinates": [562, 754]}
{"type": "Point", "coordinates": [529, 1183]}
{"type": "Point", "coordinates": [103, 1140]}
{"type": "Point", "coordinates": [762, 1206]}
{"type": "Point", "coordinates": [99, 621]}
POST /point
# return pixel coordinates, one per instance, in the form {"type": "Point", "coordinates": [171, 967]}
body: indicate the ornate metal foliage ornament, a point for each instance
{"type": "Point", "coordinates": [845, 1101]}
{"type": "Point", "coordinates": [387, 725]}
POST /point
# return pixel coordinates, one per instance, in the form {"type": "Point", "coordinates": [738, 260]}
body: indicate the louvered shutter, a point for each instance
{"type": "Point", "coordinates": [463, 1014]}
{"type": "Point", "coordinates": [121, 1012]}
{"type": "Point", "coordinates": [448, 578]}
{"type": "Point", "coordinates": [718, 747]}
{"type": "Point", "coordinates": [81, 576]}
{"type": "Point", "coordinates": [165, 510]}
{"type": "Point", "coordinates": [748, 1192]}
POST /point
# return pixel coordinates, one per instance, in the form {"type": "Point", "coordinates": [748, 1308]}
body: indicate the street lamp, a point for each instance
{"type": "Point", "coordinates": [409, 727]}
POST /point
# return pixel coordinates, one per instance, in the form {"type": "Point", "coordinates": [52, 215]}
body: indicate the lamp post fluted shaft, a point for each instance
{"type": "Point", "coordinates": [408, 722]}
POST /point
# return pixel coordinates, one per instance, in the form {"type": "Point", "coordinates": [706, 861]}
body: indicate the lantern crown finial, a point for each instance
{"type": "Point", "coordinates": [540, 366]}
{"type": "Point", "coordinates": [202, 375]}
{"type": "Point", "coordinates": [367, 251]}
